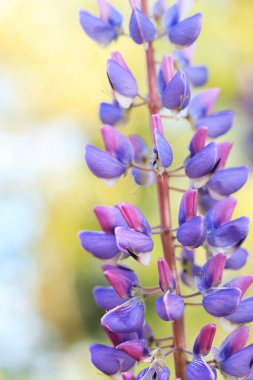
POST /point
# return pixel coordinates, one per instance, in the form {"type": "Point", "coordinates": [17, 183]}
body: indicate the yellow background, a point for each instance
{"type": "Point", "coordinates": [52, 78]}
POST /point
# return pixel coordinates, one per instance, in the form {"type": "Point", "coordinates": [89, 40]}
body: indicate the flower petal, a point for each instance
{"type": "Point", "coordinates": [233, 343]}
{"type": "Point", "coordinates": [203, 103]}
{"type": "Point", "coordinates": [240, 363]}
{"type": "Point", "coordinates": [192, 233]}
{"type": "Point", "coordinates": [109, 360]}
{"type": "Point", "coordinates": [141, 150]}
{"type": "Point", "coordinates": [244, 313]}
{"type": "Point", "coordinates": [210, 275]}
{"type": "Point", "coordinates": [177, 94]}
{"type": "Point", "coordinates": [169, 307]}
{"type": "Point", "coordinates": [110, 113]}
{"type": "Point", "coordinates": [134, 217]}
{"type": "Point", "coordinates": [198, 140]}
{"type": "Point", "coordinates": [222, 302]}
{"type": "Point", "coordinates": [187, 31]}
{"type": "Point", "coordinates": [188, 206]}
{"type": "Point", "coordinates": [133, 242]}
{"type": "Point", "coordinates": [109, 218]}
{"type": "Point", "coordinates": [137, 349]}
{"type": "Point", "coordinates": [220, 213]}
{"type": "Point", "coordinates": [121, 278]}
{"type": "Point", "coordinates": [106, 297]}
{"type": "Point", "coordinates": [204, 341]}
{"type": "Point", "coordinates": [203, 162]}
{"type": "Point", "coordinates": [197, 75]}
{"type": "Point", "coordinates": [242, 282]}
{"type": "Point", "coordinates": [140, 27]}
{"type": "Point", "coordinates": [237, 260]}
{"type": "Point", "coordinates": [164, 150]}
{"type": "Point", "coordinates": [198, 369]}
{"type": "Point", "coordinates": [218, 123]}
{"type": "Point", "coordinates": [100, 244]}
{"type": "Point", "coordinates": [121, 79]}
{"type": "Point", "coordinates": [103, 164]}
{"type": "Point", "coordinates": [166, 279]}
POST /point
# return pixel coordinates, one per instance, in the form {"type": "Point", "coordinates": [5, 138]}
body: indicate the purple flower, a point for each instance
{"type": "Point", "coordinates": [210, 275]}
{"type": "Point", "coordinates": [137, 349]}
{"type": "Point", "coordinates": [103, 244]}
{"type": "Point", "coordinates": [106, 297]}
{"type": "Point", "coordinates": [125, 318]}
{"type": "Point", "coordinates": [105, 28]}
{"type": "Point", "coordinates": [244, 312]}
{"type": "Point", "coordinates": [176, 95]}
{"type": "Point", "coordinates": [169, 307]}
{"type": "Point", "coordinates": [122, 80]}
{"type": "Point", "coordinates": [237, 260]}
{"type": "Point", "coordinates": [121, 278]}
{"type": "Point", "coordinates": [204, 340]}
{"type": "Point", "coordinates": [192, 233]}
{"type": "Point", "coordinates": [221, 302]}
{"type": "Point", "coordinates": [111, 113]}
{"type": "Point", "coordinates": [166, 279]}
{"type": "Point", "coordinates": [141, 28]}
{"type": "Point", "coordinates": [162, 152]}
{"type": "Point", "coordinates": [156, 371]}
{"type": "Point", "coordinates": [188, 206]}
{"type": "Point", "coordinates": [238, 364]}
{"type": "Point", "coordinates": [109, 360]}
{"type": "Point", "coordinates": [199, 369]}
{"type": "Point", "coordinates": [184, 32]}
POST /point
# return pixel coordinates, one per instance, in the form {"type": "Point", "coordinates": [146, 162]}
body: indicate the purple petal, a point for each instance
{"type": "Point", "coordinates": [234, 342]}
{"type": "Point", "coordinates": [197, 75]}
{"type": "Point", "coordinates": [121, 278]}
{"type": "Point", "coordinates": [222, 302]}
{"type": "Point", "coordinates": [134, 218]}
{"type": "Point", "coordinates": [198, 140]}
{"type": "Point", "coordinates": [220, 213]}
{"type": "Point", "coordinates": [166, 279]}
{"type": "Point", "coordinates": [137, 349]}
{"type": "Point", "coordinates": [97, 29]}
{"type": "Point", "coordinates": [109, 218]}
{"type": "Point", "coordinates": [204, 341]}
{"type": "Point", "coordinates": [143, 178]}
{"type": "Point", "coordinates": [203, 103]}
{"type": "Point", "coordinates": [187, 31]}
{"type": "Point", "coordinates": [121, 79]}
{"type": "Point", "coordinates": [169, 307]}
{"type": "Point", "coordinates": [117, 144]}
{"type": "Point", "coordinates": [205, 200]}
{"type": "Point", "coordinates": [126, 318]}
{"type": "Point", "coordinates": [100, 244]}
{"type": "Point", "coordinates": [103, 164]}
{"type": "Point", "coordinates": [171, 17]}
{"type": "Point", "coordinates": [133, 242]}
{"type": "Point", "coordinates": [164, 150]}
{"type": "Point", "coordinates": [188, 206]}
{"type": "Point", "coordinates": [117, 338]}
{"type": "Point", "coordinates": [244, 313]}
{"type": "Point", "coordinates": [198, 369]}
{"type": "Point", "coordinates": [228, 181]}
{"type": "Point", "coordinates": [231, 234]}
{"type": "Point", "coordinates": [109, 13]}
{"type": "Point", "coordinates": [237, 260]}
{"type": "Point", "coordinates": [203, 162]}
{"type": "Point", "coordinates": [140, 27]}
{"type": "Point", "coordinates": [240, 363]}
{"type": "Point", "coordinates": [242, 283]}
{"type": "Point", "coordinates": [128, 376]}
{"type": "Point", "coordinates": [224, 149]}
{"type": "Point", "coordinates": [110, 113]}
{"type": "Point", "coordinates": [106, 297]}
{"type": "Point", "coordinates": [210, 275]}
{"type": "Point", "coordinates": [141, 150]}
{"type": "Point", "coordinates": [109, 360]}
{"type": "Point", "coordinates": [177, 94]}
{"type": "Point", "coordinates": [218, 123]}
{"type": "Point", "coordinates": [192, 233]}
{"type": "Point", "coordinates": [158, 9]}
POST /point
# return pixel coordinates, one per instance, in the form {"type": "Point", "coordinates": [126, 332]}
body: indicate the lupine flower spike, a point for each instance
{"type": "Point", "coordinates": [204, 248]}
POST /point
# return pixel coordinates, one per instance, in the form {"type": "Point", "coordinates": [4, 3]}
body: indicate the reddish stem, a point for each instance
{"type": "Point", "coordinates": [180, 359]}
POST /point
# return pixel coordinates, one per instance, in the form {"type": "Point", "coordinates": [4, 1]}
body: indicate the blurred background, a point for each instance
{"type": "Point", "coordinates": [52, 78]}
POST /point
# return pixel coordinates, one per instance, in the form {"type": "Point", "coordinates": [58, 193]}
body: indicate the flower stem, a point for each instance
{"type": "Point", "coordinates": [165, 215]}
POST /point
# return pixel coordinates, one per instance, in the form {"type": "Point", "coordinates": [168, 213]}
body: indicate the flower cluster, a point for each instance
{"type": "Point", "coordinates": [205, 216]}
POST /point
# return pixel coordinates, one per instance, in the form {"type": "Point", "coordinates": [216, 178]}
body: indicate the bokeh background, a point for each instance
{"type": "Point", "coordinates": [52, 78]}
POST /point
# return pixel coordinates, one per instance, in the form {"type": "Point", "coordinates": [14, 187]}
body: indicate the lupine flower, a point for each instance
{"type": "Point", "coordinates": [191, 232]}
{"type": "Point", "coordinates": [109, 360]}
{"type": "Point", "coordinates": [197, 75]}
{"type": "Point", "coordinates": [210, 275]}
{"type": "Point", "coordinates": [233, 357]}
{"type": "Point", "coordinates": [221, 302]}
{"type": "Point", "coordinates": [244, 312]}
{"type": "Point", "coordinates": [200, 112]}
{"type": "Point", "coordinates": [162, 153]}
{"type": "Point", "coordinates": [184, 32]}
{"type": "Point", "coordinates": [204, 340]}
{"type": "Point", "coordinates": [237, 260]}
{"type": "Point", "coordinates": [103, 244]}
{"type": "Point", "coordinates": [141, 28]}
{"type": "Point", "coordinates": [111, 113]}
{"type": "Point", "coordinates": [166, 279]}
{"type": "Point", "coordinates": [137, 349]}
{"type": "Point", "coordinates": [107, 298]}
{"type": "Point", "coordinates": [174, 87]}
{"type": "Point", "coordinates": [121, 278]}
{"type": "Point", "coordinates": [122, 80]}
{"type": "Point", "coordinates": [156, 371]}
{"type": "Point", "coordinates": [125, 318]}
{"type": "Point", "coordinates": [118, 156]}
{"type": "Point", "coordinates": [134, 241]}
{"type": "Point", "coordinates": [189, 268]}
{"type": "Point", "coordinates": [105, 28]}
{"type": "Point", "coordinates": [169, 307]}
{"type": "Point", "coordinates": [199, 369]}
{"type": "Point", "coordinates": [141, 157]}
